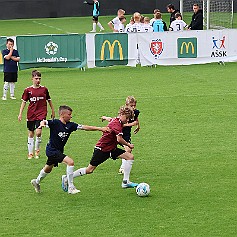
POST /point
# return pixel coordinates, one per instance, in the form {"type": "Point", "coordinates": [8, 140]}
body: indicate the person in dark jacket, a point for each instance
{"type": "Point", "coordinates": [171, 9]}
{"type": "Point", "coordinates": [197, 19]}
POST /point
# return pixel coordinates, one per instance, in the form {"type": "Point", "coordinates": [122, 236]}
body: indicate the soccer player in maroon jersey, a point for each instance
{"type": "Point", "coordinates": [38, 96]}
{"type": "Point", "coordinates": [107, 148]}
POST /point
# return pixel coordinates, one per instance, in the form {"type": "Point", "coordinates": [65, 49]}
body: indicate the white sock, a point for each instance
{"type": "Point", "coordinates": [79, 172]}
{"type": "Point", "coordinates": [5, 89]}
{"type": "Point", "coordinates": [70, 176]}
{"type": "Point", "coordinates": [30, 145]}
{"type": "Point", "coordinates": [101, 27]}
{"type": "Point", "coordinates": [123, 164]}
{"type": "Point", "coordinates": [41, 176]}
{"type": "Point", "coordinates": [12, 89]}
{"type": "Point", "coordinates": [37, 143]}
{"type": "Point", "coordinates": [94, 26]}
{"type": "Point", "coordinates": [127, 169]}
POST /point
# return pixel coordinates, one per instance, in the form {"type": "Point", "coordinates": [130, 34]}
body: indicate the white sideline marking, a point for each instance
{"type": "Point", "coordinates": [49, 26]}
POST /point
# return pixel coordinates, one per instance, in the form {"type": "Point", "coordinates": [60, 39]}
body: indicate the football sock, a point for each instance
{"type": "Point", "coordinates": [37, 143]}
{"type": "Point", "coordinates": [123, 164]}
{"type": "Point", "coordinates": [101, 27]}
{"type": "Point", "coordinates": [79, 172]}
{"type": "Point", "coordinates": [127, 169]}
{"type": "Point", "coordinates": [30, 145]}
{"type": "Point", "coordinates": [70, 175]}
{"type": "Point", "coordinates": [5, 88]}
{"type": "Point", "coordinates": [41, 176]}
{"type": "Point", "coordinates": [94, 27]}
{"type": "Point", "coordinates": [12, 88]}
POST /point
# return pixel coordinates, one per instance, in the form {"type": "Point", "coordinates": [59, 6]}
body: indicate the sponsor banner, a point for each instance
{"type": "Point", "coordinates": [188, 47]}
{"type": "Point", "coordinates": [111, 49]}
{"type": "Point", "coordinates": [2, 47]}
{"type": "Point", "coordinates": [52, 51]}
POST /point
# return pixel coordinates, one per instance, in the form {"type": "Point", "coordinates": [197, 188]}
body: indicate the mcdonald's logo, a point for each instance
{"type": "Point", "coordinates": [111, 49]}
{"type": "Point", "coordinates": [187, 47]}
{"type": "Point", "coordinates": [1, 59]}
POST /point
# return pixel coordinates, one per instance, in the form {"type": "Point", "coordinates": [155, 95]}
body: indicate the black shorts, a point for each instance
{"type": "Point", "coordinates": [32, 125]}
{"type": "Point", "coordinates": [55, 159]}
{"type": "Point", "coordinates": [95, 18]}
{"type": "Point", "coordinates": [10, 76]}
{"type": "Point", "coordinates": [99, 156]}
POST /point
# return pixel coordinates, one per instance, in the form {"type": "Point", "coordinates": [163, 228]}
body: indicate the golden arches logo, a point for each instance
{"type": "Point", "coordinates": [111, 49]}
{"type": "Point", "coordinates": [1, 59]}
{"type": "Point", "coordinates": [187, 45]}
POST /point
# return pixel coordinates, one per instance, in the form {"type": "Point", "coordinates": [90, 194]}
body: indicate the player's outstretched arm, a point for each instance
{"type": "Point", "coordinates": [103, 118]}
{"type": "Point", "coordinates": [94, 128]}
{"type": "Point", "coordinates": [138, 127]}
{"type": "Point", "coordinates": [123, 142]}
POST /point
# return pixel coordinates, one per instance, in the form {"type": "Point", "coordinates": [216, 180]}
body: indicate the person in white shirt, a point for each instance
{"type": "Point", "coordinates": [114, 24]}
{"type": "Point", "coordinates": [154, 14]}
{"type": "Point", "coordinates": [121, 24]}
{"type": "Point", "coordinates": [146, 26]}
{"type": "Point", "coordinates": [127, 28]}
{"type": "Point", "coordinates": [178, 24]}
{"type": "Point", "coordinates": [137, 26]}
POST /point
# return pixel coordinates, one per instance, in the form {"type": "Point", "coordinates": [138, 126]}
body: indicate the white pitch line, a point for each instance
{"type": "Point", "coordinates": [49, 26]}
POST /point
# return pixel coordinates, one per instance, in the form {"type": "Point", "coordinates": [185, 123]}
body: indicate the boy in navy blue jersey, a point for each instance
{"type": "Point", "coordinates": [127, 127]}
{"type": "Point", "coordinates": [95, 13]}
{"type": "Point", "coordinates": [60, 130]}
{"type": "Point", "coordinates": [11, 58]}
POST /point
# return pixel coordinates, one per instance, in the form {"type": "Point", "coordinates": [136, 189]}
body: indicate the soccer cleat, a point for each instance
{"type": "Point", "coordinates": [93, 31]}
{"type": "Point", "coordinates": [30, 156]}
{"type": "Point", "coordinates": [35, 185]}
{"type": "Point", "coordinates": [37, 154]}
{"type": "Point", "coordinates": [4, 98]}
{"type": "Point", "coordinates": [73, 190]}
{"type": "Point", "coordinates": [121, 171]}
{"type": "Point", "coordinates": [13, 97]}
{"type": "Point", "coordinates": [64, 183]}
{"type": "Point", "coordinates": [129, 184]}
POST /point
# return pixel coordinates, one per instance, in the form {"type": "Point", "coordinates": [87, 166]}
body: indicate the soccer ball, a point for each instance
{"type": "Point", "coordinates": [143, 189]}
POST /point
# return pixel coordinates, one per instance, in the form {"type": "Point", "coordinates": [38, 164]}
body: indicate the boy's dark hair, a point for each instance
{"type": "Point", "coordinates": [178, 15]}
{"type": "Point", "coordinates": [10, 40]}
{"type": "Point", "coordinates": [122, 17]}
{"type": "Point", "coordinates": [64, 107]}
{"type": "Point", "coordinates": [36, 73]}
{"type": "Point", "coordinates": [195, 5]}
{"type": "Point", "coordinates": [170, 6]}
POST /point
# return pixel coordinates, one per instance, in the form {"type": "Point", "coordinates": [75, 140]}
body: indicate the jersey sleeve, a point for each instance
{"type": "Point", "coordinates": [25, 95]}
{"type": "Point", "coordinates": [47, 94]}
{"type": "Point", "coordinates": [116, 128]}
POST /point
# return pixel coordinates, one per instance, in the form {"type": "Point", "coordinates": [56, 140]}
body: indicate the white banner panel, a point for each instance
{"type": "Point", "coordinates": [187, 47]}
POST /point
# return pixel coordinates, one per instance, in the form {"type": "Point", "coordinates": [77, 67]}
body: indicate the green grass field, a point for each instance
{"type": "Point", "coordinates": [185, 150]}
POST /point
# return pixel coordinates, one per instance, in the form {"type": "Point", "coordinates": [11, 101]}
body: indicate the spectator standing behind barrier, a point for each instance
{"type": "Point", "coordinates": [178, 24]}
{"type": "Point", "coordinates": [95, 13]}
{"type": "Point", "coordinates": [127, 28]}
{"type": "Point", "coordinates": [114, 24]}
{"type": "Point", "coordinates": [170, 8]}
{"type": "Point", "coordinates": [197, 18]}
{"type": "Point", "coordinates": [146, 26]}
{"type": "Point", "coordinates": [121, 24]}
{"type": "Point", "coordinates": [159, 25]}
{"type": "Point", "coordinates": [11, 58]}
{"type": "Point", "coordinates": [154, 13]}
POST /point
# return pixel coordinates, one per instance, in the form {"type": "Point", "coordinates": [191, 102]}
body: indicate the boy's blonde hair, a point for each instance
{"type": "Point", "coordinates": [147, 19]}
{"type": "Point", "coordinates": [121, 11]}
{"type": "Point", "coordinates": [137, 16]}
{"type": "Point", "coordinates": [127, 111]}
{"type": "Point", "coordinates": [130, 99]}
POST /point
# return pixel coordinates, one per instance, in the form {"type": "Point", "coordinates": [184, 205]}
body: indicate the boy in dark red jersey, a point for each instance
{"type": "Point", "coordinates": [38, 96]}
{"type": "Point", "coordinates": [106, 148]}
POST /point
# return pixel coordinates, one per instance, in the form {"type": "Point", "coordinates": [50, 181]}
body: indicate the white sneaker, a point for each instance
{"type": "Point", "coordinates": [35, 185]}
{"type": "Point", "coordinates": [12, 97]}
{"type": "Point", "coordinates": [93, 31]}
{"type": "Point", "coordinates": [4, 98]}
{"type": "Point", "coordinates": [73, 190]}
{"type": "Point", "coordinates": [64, 183]}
